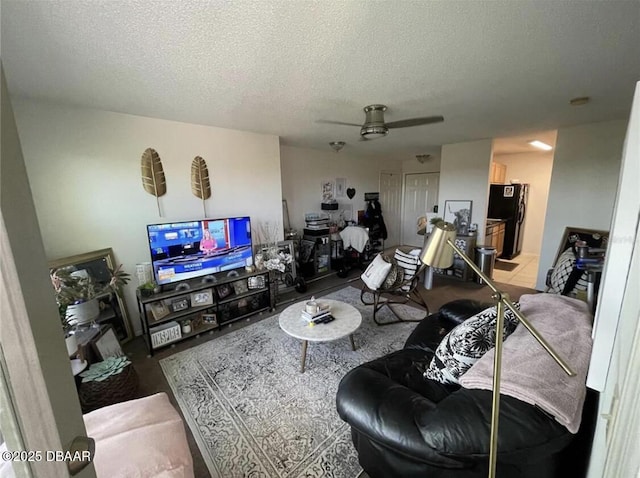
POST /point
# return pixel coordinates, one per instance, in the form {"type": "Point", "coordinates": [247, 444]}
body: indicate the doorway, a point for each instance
{"type": "Point", "coordinates": [519, 170]}
{"type": "Point", "coordinates": [420, 196]}
{"type": "Point", "coordinates": [390, 200]}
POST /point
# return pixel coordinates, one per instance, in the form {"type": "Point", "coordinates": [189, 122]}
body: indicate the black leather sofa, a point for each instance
{"type": "Point", "coordinates": [404, 425]}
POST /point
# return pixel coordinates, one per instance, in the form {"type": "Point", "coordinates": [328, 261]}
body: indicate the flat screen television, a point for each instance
{"type": "Point", "coordinates": [191, 249]}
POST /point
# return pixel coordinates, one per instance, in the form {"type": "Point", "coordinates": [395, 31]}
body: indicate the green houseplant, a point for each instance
{"type": "Point", "coordinates": [148, 289]}
{"type": "Point", "coordinates": [435, 220]}
{"type": "Point", "coordinates": [77, 294]}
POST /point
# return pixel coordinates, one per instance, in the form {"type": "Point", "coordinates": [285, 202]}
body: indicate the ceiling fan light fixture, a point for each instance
{"type": "Point", "coordinates": [374, 126]}
{"type": "Point", "coordinates": [337, 145]}
{"type": "Point", "coordinates": [374, 131]}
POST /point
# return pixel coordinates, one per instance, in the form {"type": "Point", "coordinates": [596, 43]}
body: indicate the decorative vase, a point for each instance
{"type": "Point", "coordinates": [85, 312]}
{"type": "Point", "coordinates": [259, 262]}
{"type": "Point", "coordinates": [72, 344]}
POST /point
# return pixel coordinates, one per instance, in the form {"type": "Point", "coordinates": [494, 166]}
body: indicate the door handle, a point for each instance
{"type": "Point", "coordinates": [80, 453]}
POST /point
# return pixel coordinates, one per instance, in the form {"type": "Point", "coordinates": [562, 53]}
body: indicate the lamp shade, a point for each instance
{"type": "Point", "coordinates": [437, 253]}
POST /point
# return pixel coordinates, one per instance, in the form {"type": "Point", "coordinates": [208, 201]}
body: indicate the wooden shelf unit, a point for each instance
{"type": "Point", "coordinates": [460, 270]}
{"type": "Point", "coordinates": [229, 308]}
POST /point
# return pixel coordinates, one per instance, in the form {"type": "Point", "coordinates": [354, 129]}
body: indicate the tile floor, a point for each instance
{"type": "Point", "coordinates": [525, 275]}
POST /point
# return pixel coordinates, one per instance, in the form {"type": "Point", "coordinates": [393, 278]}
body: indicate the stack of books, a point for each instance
{"type": "Point", "coordinates": [319, 316]}
{"type": "Point", "coordinates": [316, 221]}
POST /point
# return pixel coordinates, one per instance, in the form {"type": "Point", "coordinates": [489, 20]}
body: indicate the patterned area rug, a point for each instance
{"type": "Point", "coordinates": [252, 412]}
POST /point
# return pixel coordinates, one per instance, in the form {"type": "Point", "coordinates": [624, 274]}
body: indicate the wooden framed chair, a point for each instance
{"type": "Point", "coordinates": [398, 288]}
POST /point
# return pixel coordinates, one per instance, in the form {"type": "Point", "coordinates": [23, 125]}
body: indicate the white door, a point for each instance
{"type": "Point", "coordinates": [391, 203]}
{"type": "Point", "coordinates": [36, 371]}
{"type": "Point", "coordinates": [420, 195]}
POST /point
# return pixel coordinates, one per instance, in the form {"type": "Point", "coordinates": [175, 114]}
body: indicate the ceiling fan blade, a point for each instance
{"type": "Point", "coordinates": [338, 122]}
{"type": "Point", "coordinates": [414, 122]}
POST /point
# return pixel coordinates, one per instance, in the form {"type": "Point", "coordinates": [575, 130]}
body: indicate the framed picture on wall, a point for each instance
{"type": "Point", "coordinates": [327, 191]}
{"type": "Point", "coordinates": [458, 213]}
{"type": "Point", "coordinates": [341, 187]}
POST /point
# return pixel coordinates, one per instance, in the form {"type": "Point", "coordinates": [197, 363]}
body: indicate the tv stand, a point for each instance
{"type": "Point", "coordinates": [206, 306]}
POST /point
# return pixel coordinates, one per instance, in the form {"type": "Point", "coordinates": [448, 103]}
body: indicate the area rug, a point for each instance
{"type": "Point", "coordinates": [251, 411]}
{"type": "Point", "coordinates": [506, 266]}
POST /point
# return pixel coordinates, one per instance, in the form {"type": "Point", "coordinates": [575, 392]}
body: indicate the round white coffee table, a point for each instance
{"type": "Point", "coordinates": [347, 320]}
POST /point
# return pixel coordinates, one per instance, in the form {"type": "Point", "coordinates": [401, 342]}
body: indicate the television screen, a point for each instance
{"type": "Point", "coordinates": [186, 250]}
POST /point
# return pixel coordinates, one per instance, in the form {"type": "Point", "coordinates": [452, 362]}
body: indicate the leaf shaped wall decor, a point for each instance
{"type": "Point", "coordinates": [153, 180]}
{"type": "Point", "coordinates": [200, 185]}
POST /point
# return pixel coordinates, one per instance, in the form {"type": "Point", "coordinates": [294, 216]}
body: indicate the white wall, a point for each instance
{"type": "Point", "coordinates": [464, 175]}
{"type": "Point", "coordinates": [304, 170]}
{"type": "Point", "coordinates": [584, 182]}
{"type": "Point", "coordinates": [533, 169]}
{"type": "Point", "coordinates": [432, 165]}
{"type": "Point", "coordinates": [34, 358]}
{"type": "Point", "coordinates": [613, 370]}
{"type": "Point", "coordinates": [84, 169]}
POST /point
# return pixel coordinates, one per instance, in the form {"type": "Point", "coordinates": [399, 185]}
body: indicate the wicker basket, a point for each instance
{"type": "Point", "coordinates": [117, 388]}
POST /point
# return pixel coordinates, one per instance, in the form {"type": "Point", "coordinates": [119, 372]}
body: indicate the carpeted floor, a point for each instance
{"type": "Point", "coordinates": [253, 413]}
{"type": "Point", "coordinates": [152, 380]}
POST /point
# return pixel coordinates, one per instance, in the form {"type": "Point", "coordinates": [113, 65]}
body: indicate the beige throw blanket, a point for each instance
{"type": "Point", "coordinates": [529, 373]}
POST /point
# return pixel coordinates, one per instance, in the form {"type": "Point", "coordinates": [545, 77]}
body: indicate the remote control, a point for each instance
{"type": "Point", "coordinates": [328, 319]}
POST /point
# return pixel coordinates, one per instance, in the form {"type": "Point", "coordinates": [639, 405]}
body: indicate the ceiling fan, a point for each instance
{"type": "Point", "coordinates": [375, 127]}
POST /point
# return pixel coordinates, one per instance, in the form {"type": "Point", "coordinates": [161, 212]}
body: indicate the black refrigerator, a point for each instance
{"type": "Point", "coordinates": [509, 202]}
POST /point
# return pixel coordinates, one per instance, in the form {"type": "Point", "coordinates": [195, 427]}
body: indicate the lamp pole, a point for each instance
{"type": "Point", "coordinates": [502, 303]}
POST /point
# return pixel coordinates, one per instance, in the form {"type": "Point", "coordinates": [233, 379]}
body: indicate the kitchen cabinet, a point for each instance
{"type": "Point", "coordinates": [498, 173]}
{"type": "Point", "coordinates": [494, 236]}
{"type": "Point", "coordinates": [499, 244]}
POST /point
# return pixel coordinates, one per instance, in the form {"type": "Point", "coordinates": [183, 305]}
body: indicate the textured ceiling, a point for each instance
{"type": "Point", "coordinates": [491, 68]}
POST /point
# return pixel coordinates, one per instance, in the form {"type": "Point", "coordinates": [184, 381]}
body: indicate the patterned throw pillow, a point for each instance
{"type": "Point", "coordinates": [467, 343]}
{"type": "Point", "coordinates": [394, 277]}
{"type": "Point", "coordinates": [409, 262]}
{"type": "Point", "coordinates": [561, 272]}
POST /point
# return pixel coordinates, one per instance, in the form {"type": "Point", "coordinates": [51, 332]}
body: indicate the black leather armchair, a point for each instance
{"type": "Point", "coordinates": [404, 425]}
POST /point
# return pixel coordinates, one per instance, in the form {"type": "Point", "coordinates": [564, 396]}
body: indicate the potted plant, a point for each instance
{"type": "Point", "coordinates": [148, 289]}
{"type": "Point", "coordinates": [69, 337]}
{"type": "Point", "coordinates": [77, 293]}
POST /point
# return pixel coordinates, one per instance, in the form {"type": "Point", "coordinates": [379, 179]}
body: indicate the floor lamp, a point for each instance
{"type": "Point", "coordinates": [438, 253]}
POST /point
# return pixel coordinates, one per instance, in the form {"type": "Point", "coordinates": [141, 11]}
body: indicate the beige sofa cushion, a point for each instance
{"type": "Point", "coordinates": [140, 438]}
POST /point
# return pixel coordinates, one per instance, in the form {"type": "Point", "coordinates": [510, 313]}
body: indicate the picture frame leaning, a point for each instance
{"type": "Point", "coordinates": [107, 345]}
{"type": "Point", "coordinates": [159, 310]}
{"type": "Point", "coordinates": [202, 297]}
{"type": "Point", "coordinates": [210, 319]}
{"type": "Point", "coordinates": [458, 213]}
{"type": "Point", "coordinates": [96, 265]}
